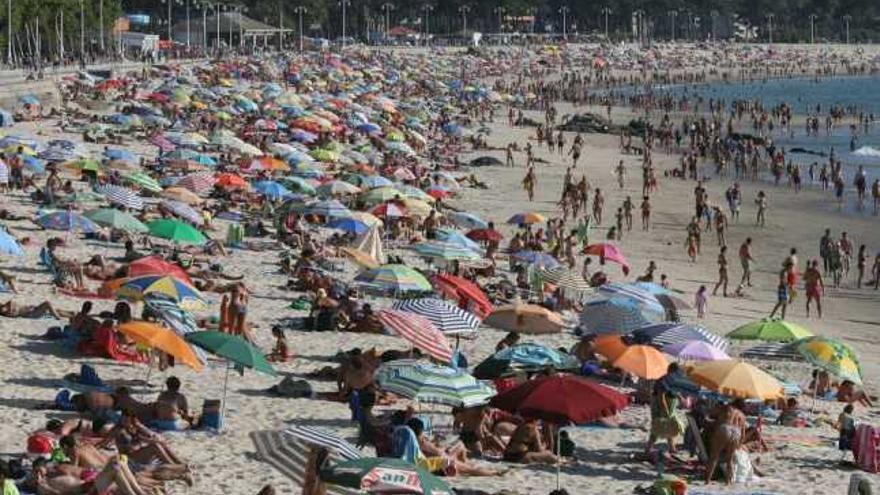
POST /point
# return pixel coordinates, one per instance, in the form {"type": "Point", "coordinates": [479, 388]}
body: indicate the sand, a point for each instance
{"type": "Point", "coordinates": [226, 463]}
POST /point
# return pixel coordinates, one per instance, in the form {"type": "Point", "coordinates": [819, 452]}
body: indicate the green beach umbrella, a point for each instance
{"type": "Point", "coordinates": [381, 195]}
{"type": "Point", "coordinates": [831, 355]}
{"type": "Point", "coordinates": [384, 475]}
{"type": "Point", "coordinates": [177, 231]}
{"type": "Point", "coordinates": [143, 180]}
{"type": "Point", "coordinates": [770, 330]}
{"type": "Point", "coordinates": [109, 217]}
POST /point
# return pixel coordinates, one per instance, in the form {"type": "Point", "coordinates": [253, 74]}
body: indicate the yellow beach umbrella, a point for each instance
{"type": "Point", "coordinates": [735, 378]}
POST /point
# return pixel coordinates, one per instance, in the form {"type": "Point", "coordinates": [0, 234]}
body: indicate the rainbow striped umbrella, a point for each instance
{"type": "Point", "coordinates": [397, 278]}
{"type": "Point", "coordinates": [186, 296]}
{"type": "Point", "coordinates": [419, 331]}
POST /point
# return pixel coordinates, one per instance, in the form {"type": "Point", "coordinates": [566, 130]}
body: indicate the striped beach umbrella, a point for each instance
{"type": "Point", "coordinates": [181, 210]}
{"type": "Point", "coordinates": [199, 182]}
{"type": "Point", "coordinates": [449, 319]}
{"type": "Point", "coordinates": [528, 218]}
{"type": "Point", "coordinates": [671, 333]}
{"type": "Point", "coordinates": [419, 331]}
{"type": "Point", "coordinates": [121, 196]}
{"type": "Point", "coordinates": [318, 437]}
{"type": "Point", "coordinates": [186, 296]}
{"type": "Point", "coordinates": [329, 208]}
{"type": "Point", "coordinates": [433, 384]}
{"type": "Point", "coordinates": [396, 278]}
{"type": "Point", "coordinates": [564, 278]}
{"type": "Point", "coordinates": [445, 251]}
{"type": "Point", "coordinates": [631, 292]}
{"type": "Point", "coordinates": [166, 310]}
{"type": "Point", "coordinates": [618, 315]}
{"type": "Point", "coordinates": [537, 258]}
{"type": "Point", "coordinates": [68, 221]}
{"type": "Point", "coordinates": [455, 237]}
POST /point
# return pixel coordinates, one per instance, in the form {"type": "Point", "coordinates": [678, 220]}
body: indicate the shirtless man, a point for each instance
{"type": "Point", "coordinates": [475, 431]}
{"type": "Point", "coordinates": [525, 446]}
{"type": "Point", "coordinates": [171, 405]}
{"type": "Point", "coordinates": [814, 286]}
{"type": "Point", "coordinates": [530, 182]}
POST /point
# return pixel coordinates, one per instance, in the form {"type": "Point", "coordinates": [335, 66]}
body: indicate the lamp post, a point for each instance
{"type": "Point", "coordinates": [499, 11]}
{"type": "Point", "coordinates": [280, 27]}
{"type": "Point", "coordinates": [300, 10]}
{"type": "Point", "coordinates": [672, 15]}
{"type": "Point", "coordinates": [240, 27]}
{"type": "Point", "coordinates": [9, 32]}
{"type": "Point", "coordinates": [640, 29]}
{"type": "Point", "coordinates": [344, 4]}
{"type": "Point", "coordinates": [188, 45]}
{"type": "Point", "coordinates": [464, 10]}
{"type": "Point", "coordinates": [847, 19]}
{"type": "Point", "coordinates": [770, 18]}
{"type": "Point", "coordinates": [564, 10]}
{"type": "Point", "coordinates": [82, 32]}
{"type": "Point", "coordinates": [427, 9]}
{"type": "Point", "coordinates": [533, 11]}
{"type": "Point", "coordinates": [813, 18]}
{"type": "Point", "coordinates": [714, 16]}
{"type": "Point", "coordinates": [606, 11]}
{"type": "Point", "coordinates": [101, 24]}
{"type": "Point", "coordinates": [387, 8]}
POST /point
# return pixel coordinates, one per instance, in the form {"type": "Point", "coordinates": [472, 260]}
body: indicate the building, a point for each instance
{"type": "Point", "coordinates": [229, 29]}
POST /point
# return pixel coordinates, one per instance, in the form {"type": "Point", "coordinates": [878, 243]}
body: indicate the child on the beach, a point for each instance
{"type": "Point", "coordinates": [701, 301]}
{"type": "Point", "coordinates": [846, 425]}
{"type": "Point", "coordinates": [280, 353]}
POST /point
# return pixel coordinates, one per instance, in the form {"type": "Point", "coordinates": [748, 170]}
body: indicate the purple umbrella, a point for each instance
{"type": "Point", "coordinates": [695, 350]}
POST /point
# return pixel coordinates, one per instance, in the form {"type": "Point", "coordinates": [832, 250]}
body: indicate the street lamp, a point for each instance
{"type": "Point", "coordinates": [564, 10]}
{"type": "Point", "coordinates": [300, 10]}
{"type": "Point", "coordinates": [846, 19]}
{"type": "Point", "coordinates": [427, 9]}
{"type": "Point", "coordinates": [82, 32]}
{"type": "Point", "coordinates": [770, 18]}
{"type": "Point", "coordinates": [186, 6]}
{"type": "Point", "coordinates": [101, 24]}
{"type": "Point", "coordinates": [9, 32]}
{"type": "Point", "coordinates": [344, 4]}
{"type": "Point", "coordinates": [714, 16]}
{"type": "Point", "coordinates": [280, 27]}
{"type": "Point", "coordinates": [640, 29]}
{"type": "Point", "coordinates": [499, 11]}
{"type": "Point", "coordinates": [387, 8]}
{"type": "Point", "coordinates": [672, 15]}
{"type": "Point", "coordinates": [464, 10]}
{"type": "Point", "coordinates": [533, 11]}
{"type": "Point", "coordinates": [606, 11]}
{"type": "Point", "coordinates": [813, 18]}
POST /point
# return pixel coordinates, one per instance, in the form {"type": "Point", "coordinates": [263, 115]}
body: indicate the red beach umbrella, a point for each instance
{"type": "Point", "coordinates": [467, 293]}
{"type": "Point", "coordinates": [562, 399]}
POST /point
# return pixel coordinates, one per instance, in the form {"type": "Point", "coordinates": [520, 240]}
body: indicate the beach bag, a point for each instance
{"type": "Point", "coordinates": [211, 414]}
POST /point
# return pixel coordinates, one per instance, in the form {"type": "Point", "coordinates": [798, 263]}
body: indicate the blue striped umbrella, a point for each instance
{"type": "Point", "coordinates": [456, 237]}
{"type": "Point", "coordinates": [329, 208]}
{"type": "Point", "coordinates": [449, 319]}
{"type": "Point", "coordinates": [171, 315]}
{"type": "Point", "coordinates": [121, 196]}
{"type": "Point", "coordinates": [181, 210]}
{"type": "Point", "coordinates": [271, 189]}
{"type": "Point", "coordinates": [446, 251]}
{"type": "Point", "coordinates": [537, 258]}
{"type": "Point", "coordinates": [667, 333]}
{"type": "Point", "coordinates": [467, 220]}
{"type": "Point", "coordinates": [68, 221]}
{"type": "Point", "coordinates": [631, 292]}
{"type": "Point", "coordinates": [433, 384]}
{"type": "Point", "coordinates": [618, 315]}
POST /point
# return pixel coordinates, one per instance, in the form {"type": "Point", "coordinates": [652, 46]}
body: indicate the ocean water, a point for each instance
{"type": "Point", "coordinates": [803, 95]}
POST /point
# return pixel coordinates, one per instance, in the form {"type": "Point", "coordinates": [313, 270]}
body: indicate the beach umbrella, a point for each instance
{"type": "Point", "coordinates": [199, 182]}
{"type": "Point", "coordinates": [564, 278]}
{"type": "Point", "coordinates": [9, 244]}
{"type": "Point", "coordinates": [288, 451]}
{"type": "Point", "coordinates": [468, 294]}
{"type": "Point", "coordinates": [186, 296]}
{"type": "Point", "coordinates": [350, 225]}
{"type": "Point", "coordinates": [489, 235]}
{"type": "Point", "coordinates": [735, 378]}
{"type": "Point", "coordinates": [163, 339]}
{"type": "Point", "coordinates": [415, 193]}
{"type": "Point", "coordinates": [181, 194]}
{"type": "Point", "coordinates": [68, 221]}
{"type": "Point", "coordinates": [433, 384]}
{"type": "Point", "coordinates": [528, 218]}
{"type": "Point", "coordinates": [327, 208]}
{"type": "Point", "coordinates": [367, 218]}
{"type": "Point", "coordinates": [181, 210]}
{"type": "Point", "coordinates": [268, 163]}
{"type": "Point", "coordinates": [525, 318]}
{"type": "Point", "coordinates": [617, 315]}
{"type": "Point", "coordinates": [695, 350]}
{"type": "Point", "coordinates": [669, 333]}
{"type": "Point", "coordinates": [113, 218]}
{"type": "Point", "coordinates": [391, 209]}
{"type": "Point", "coordinates": [361, 258]}
{"type": "Point", "coordinates": [643, 361]}
{"type": "Point", "coordinates": [445, 251]}
{"type": "Point", "coordinates": [144, 181]}
{"type": "Point", "coordinates": [831, 355]}
{"type": "Point", "coordinates": [337, 188]}
{"type": "Point", "coordinates": [608, 252]}
{"type": "Point", "coordinates": [467, 220]}
{"type": "Point", "coordinates": [154, 265]}
{"type": "Point", "coordinates": [384, 475]}
{"type": "Point", "coordinates": [537, 258]}
{"type": "Point", "coordinates": [177, 231]}
{"type": "Point", "coordinates": [631, 292]}
{"type": "Point", "coordinates": [166, 311]}
{"type": "Point", "coordinates": [298, 185]}
{"type": "Point", "coordinates": [397, 278]}
{"type": "Point", "coordinates": [525, 357]}
{"type": "Point", "coordinates": [562, 399]}
{"type": "Point", "coordinates": [231, 181]}
{"type": "Point", "coordinates": [272, 189]}
{"type": "Point", "coordinates": [121, 196]}
{"type": "Point", "coordinates": [380, 195]}
{"type": "Point", "coordinates": [770, 330]}
{"type": "Point", "coordinates": [33, 165]}
{"type": "Point", "coordinates": [449, 319]}
{"type": "Point", "coordinates": [119, 154]}
{"type": "Point", "coordinates": [610, 346]}
{"type": "Point", "coordinates": [419, 331]}
{"type": "Point", "coordinates": [455, 237]}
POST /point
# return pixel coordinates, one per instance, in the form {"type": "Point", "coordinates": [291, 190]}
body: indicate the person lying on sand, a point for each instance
{"type": "Point", "coordinates": [525, 445]}
{"type": "Point", "coordinates": [66, 479]}
{"type": "Point", "coordinates": [10, 309]}
{"type": "Point", "coordinates": [454, 458]}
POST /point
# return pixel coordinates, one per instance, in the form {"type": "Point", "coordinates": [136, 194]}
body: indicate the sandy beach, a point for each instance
{"type": "Point", "coordinates": [800, 460]}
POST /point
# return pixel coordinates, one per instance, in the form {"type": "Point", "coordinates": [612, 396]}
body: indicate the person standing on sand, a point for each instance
{"type": "Point", "coordinates": [781, 295]}
{"type": "Point", "coordinates": [628, 212]}
{"type": "Point", "coordinates": [720, 226]}
{"type": "Point", "coordinates": [814, 286]}
{"type": "Point", "coordinates": [509, 155]}
{"type": "Point", "coordinates": [875, 270]}
{"type": "Point", "coordinates": [761, 217]}
{"type": "Point", "coordinates": [646, 213]}
{"type": "Point", "coordinates": [620, 171]}
{"type": "Point", "coordinates": [825, 245]}
{"type": "Point", "coordinates": [746, 260]}
{"type": "Point", "coordinates": [722, 272]}
{"type": "Point", "coordinates": [875, 193]}
{"type": "Point", "coordinates": [701, 301]}
{"type": "Point", "coordinates": [530, 182]}
{"type": "Point", "coordinates": [861, 264]}
{"type": "Point", "coordinates": [598, 205]}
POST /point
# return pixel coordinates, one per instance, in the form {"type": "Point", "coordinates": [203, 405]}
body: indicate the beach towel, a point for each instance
{"type": "Point", "coordinates": [405, 445]}
{"type": "Point", "coordinates": [865, 448]}
{"type": "Point", "coordinates": [82, 294]}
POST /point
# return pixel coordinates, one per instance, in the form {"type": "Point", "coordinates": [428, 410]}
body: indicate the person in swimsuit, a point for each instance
{"type": "Point", "coordinates": [814, 286]}
{"type": "Point", "coordinates": [525, 446]}
{"type": "Point", "coordinates": [10, 309]}
{"type": "Point", "coordinates": [722, 272]}
{"type": "Point", "coordinates": [725, 439]}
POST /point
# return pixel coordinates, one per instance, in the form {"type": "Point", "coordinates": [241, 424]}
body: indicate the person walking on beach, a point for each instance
{"type": "Point", "coordinates": [646, 213]}
{"type": "Point", "coordinates": [861, 184]}
{"type": "Point", "coordinates": [761, 201]}
{"type": "Point", "coordinates": [781, 295]}
{"type": "Point", "coordinates": [875, 193]}
{"type": "Point", "coordinates": [814, 286]}
{"type": "Point", "coordinates": [598, 206]}
{"type": "Point", "coordinates": [722, 272]}
{"type": "Point", "coordinates": [720, 226]}
{"type": "Point", "coordinates": [620, 172]}
{"type": "Point", "coordinates": [861, 264]}
{"type": "Point", "coordinates": [530, 182]}
{"type": "Point", "coordinates": [701, 301]}
{"type": "Point", "coordinates": [825, 245]}
{"type": "Point", "coordinates": [509, 155]}
{"type": "Point", "coordinates": [746, 259]}
{"type": "Point", "coordinates": [628, 207]}
{"type": "Point", "coordinates": [875, 271]}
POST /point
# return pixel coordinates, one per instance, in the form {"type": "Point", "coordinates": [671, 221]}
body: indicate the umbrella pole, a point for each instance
{"type": "Point", "coordinates": [223, 406]}
{"type": "Point", "coordinates": [558, 451]}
